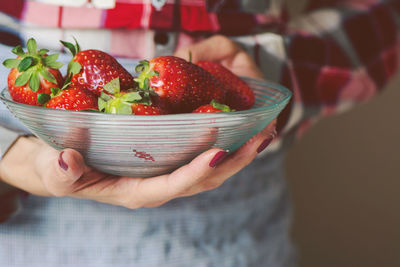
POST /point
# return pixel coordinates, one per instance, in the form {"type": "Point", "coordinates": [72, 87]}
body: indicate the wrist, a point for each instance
{"type": "Point", "coordinates": [17, 160]}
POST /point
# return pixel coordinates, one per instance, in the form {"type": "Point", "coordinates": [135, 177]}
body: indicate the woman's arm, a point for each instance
{"type": "Point", "coordinates": [332, 58]}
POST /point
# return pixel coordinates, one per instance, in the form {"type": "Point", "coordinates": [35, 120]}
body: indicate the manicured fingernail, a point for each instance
{"type": "Point", "coordinates": [264, 144]}
{"type": "Point", "coordinates": [218, 158]}
{"type": "Point", "coordinates": [62, 163]}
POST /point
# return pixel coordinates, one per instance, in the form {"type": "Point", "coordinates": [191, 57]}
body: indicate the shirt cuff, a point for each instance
{"type": "Point", "coordinates": [7, 139]}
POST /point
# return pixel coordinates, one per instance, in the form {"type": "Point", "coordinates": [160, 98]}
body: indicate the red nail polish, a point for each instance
{"type": "Point", "coordinates": [218, 158]}
{"type": "Point", "coordinates": [62, 163]}
{"type": "Point", "coordinates": [264, 144]}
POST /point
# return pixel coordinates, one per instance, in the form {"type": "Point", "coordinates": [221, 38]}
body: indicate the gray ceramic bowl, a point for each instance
{"type": "Point", "coordinates": [145, 146]}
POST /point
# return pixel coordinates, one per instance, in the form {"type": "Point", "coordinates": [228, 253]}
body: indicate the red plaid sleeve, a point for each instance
{"type": "Point", "coordinates": [338, 56]}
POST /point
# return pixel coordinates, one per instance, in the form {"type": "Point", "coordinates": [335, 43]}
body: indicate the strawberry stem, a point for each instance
{"type": "Point", "coordinates": [222, 107]}
{"type": "Point", "coordinates": [116, 102]}
{"type": "Point", "coordinates": [190, 56]}
{"type": "Point", "coordinates": [145, 74]}
{"type": "Point", "coordinates": [73, 66]}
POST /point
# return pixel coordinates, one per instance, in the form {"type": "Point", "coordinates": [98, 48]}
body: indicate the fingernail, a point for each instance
{"type": "Point", "coordinates": [218, 158]}
{"type": "Point", "coordinates": [62, 163]}
{"type": "Point", "coordinates": [264, 144]}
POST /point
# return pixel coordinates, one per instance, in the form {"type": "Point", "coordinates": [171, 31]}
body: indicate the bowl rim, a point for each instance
{"type": "Point", "coordinates": [287, 94]}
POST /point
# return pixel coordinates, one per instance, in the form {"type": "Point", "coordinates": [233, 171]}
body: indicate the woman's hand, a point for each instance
{"type": "Point", "coordinates": [222, 50]}
{"type": "Point", "coordinates": [35, 167]}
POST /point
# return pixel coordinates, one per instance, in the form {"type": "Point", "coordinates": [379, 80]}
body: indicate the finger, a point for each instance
{"type": "Point", "coordinates": [140, 192]}
{"type": "Point", "coordinates": [62, 171]}
{"type": "Point", "coordinates": [243, 65]}
{"type": "Point", "coordinates": [224, 51]}
{"type": "Point", "coordinates": [238, 160]}
{"type": "Point", "coordinates": [247, 153]}
{"type": "Point", "coordinates": [216, 48]}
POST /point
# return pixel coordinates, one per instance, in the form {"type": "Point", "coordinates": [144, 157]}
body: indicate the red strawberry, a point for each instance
{"type": "Point", "coordinates": [73, 99]}
{"type": "Point", "coordinates": [180, 85]}
{"type": "Point", "coordinates": [32, 73]}
{"type": "Point", "coordinates": [127, 102]}
{"type": "Point", "coordinates": [239, 95]}
{"type": "Point", "coordinates": [92, 69]}
{"type": "Point", "coordinates": [142, 109]}
{"type": "Point", "coordinates": [213, 107]}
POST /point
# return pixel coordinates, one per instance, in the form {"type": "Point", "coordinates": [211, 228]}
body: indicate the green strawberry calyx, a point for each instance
{"type": "Point", "coordinates": [33, 65]}
{"type": "Point", "coordinates": [113, 101]}
{"type": "Point", "coordinates": [222, 107]}
{"type": "Point", "coordinates": [43, 98]}
{"type": "Point", "coordinates": [73, 66]}
{"type": "Point", "coordinates": [145, 74]}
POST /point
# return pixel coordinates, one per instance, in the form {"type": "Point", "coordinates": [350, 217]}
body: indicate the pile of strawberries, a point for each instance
{"type": "Point", "coordinates": [95, 81]}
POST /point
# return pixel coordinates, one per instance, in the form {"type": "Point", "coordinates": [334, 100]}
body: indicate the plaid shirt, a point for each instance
{"type": "Point", "coordinates": [336, 54]}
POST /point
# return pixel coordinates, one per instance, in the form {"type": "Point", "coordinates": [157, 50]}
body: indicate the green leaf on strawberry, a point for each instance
{"type": "Point", "coordinates": [70, 47]}
{"type": "Point", "coordinates": [25, 64]}
{"type": "Point", "coordinates": [18, 51]}
{"type": "Point", "coordinates": [131, 97]}
{"type": "Point", "coordinates": [23, 78]}
{"type": "Point", "coordinates": [145, 73]}
{"type": "Point", "coordinates": [55, 65]}
{"type": "Point", "coordinates": [50, 59]}
{"type": "Point", "coordinates": [55, 91]}
{"type": "Point", "coordinates": [74, 67]}
{"type": "Point", "coordinates": [78, 48]}
{"type": "Point", "coordinates": [117, 102]}
{"type": "Point", "coordinates": [74, 49]}
{"type": "Point", "coordinates": [34, 81]}
{"type": "Point", "coordinates": [43, 98]}
{"type": "Point", "coordinates": [101, 103]}
{"type": "Point", "coordinates": [117, 106]}
{"type": "Point", "coordinates": [11, 63]}
{"type": "Point", "coordinates": [48, 75]}
{"type": "Point", "coordinates": [105, 96]}
{"type": "Point", "coordinates": [43, 51]}
{"type": "Point", "coordinates": [113, 86]}
{"type": "Point", "coordinates": [222, 107]}
{"type": "Point", "coordinates": [32, 46]}
{"type": "Point", "coordinates": [213, 107]}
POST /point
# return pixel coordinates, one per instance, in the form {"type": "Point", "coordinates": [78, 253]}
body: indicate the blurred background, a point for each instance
{"type": "Point", "coordinates": [344, 176]}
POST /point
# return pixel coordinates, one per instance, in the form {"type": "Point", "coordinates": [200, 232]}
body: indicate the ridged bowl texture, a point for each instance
{"type": "Point", "coordinates": [146, 146]}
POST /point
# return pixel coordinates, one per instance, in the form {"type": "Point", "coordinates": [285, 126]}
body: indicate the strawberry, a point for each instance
{"type": "Point", "coordinates": [239, 95]}
{"type": "Point", "coordinates": [213, 107]}
{"type": "Point", "coordinates": [32, 73]}
{"type": "Point", "coordinates": [92, 69]}
{"type": "Point", "coordinates": [180, 85]}
{"type": "Point", "coordinates": [115, 101]}
{"type": "Point", "coordinates": [142, 109]}
{"type": "Point", "coordinates": [73, 98]}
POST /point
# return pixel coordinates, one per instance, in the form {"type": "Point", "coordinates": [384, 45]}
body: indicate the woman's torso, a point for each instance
{"type": "Point", "coordinates": [245, 222]}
